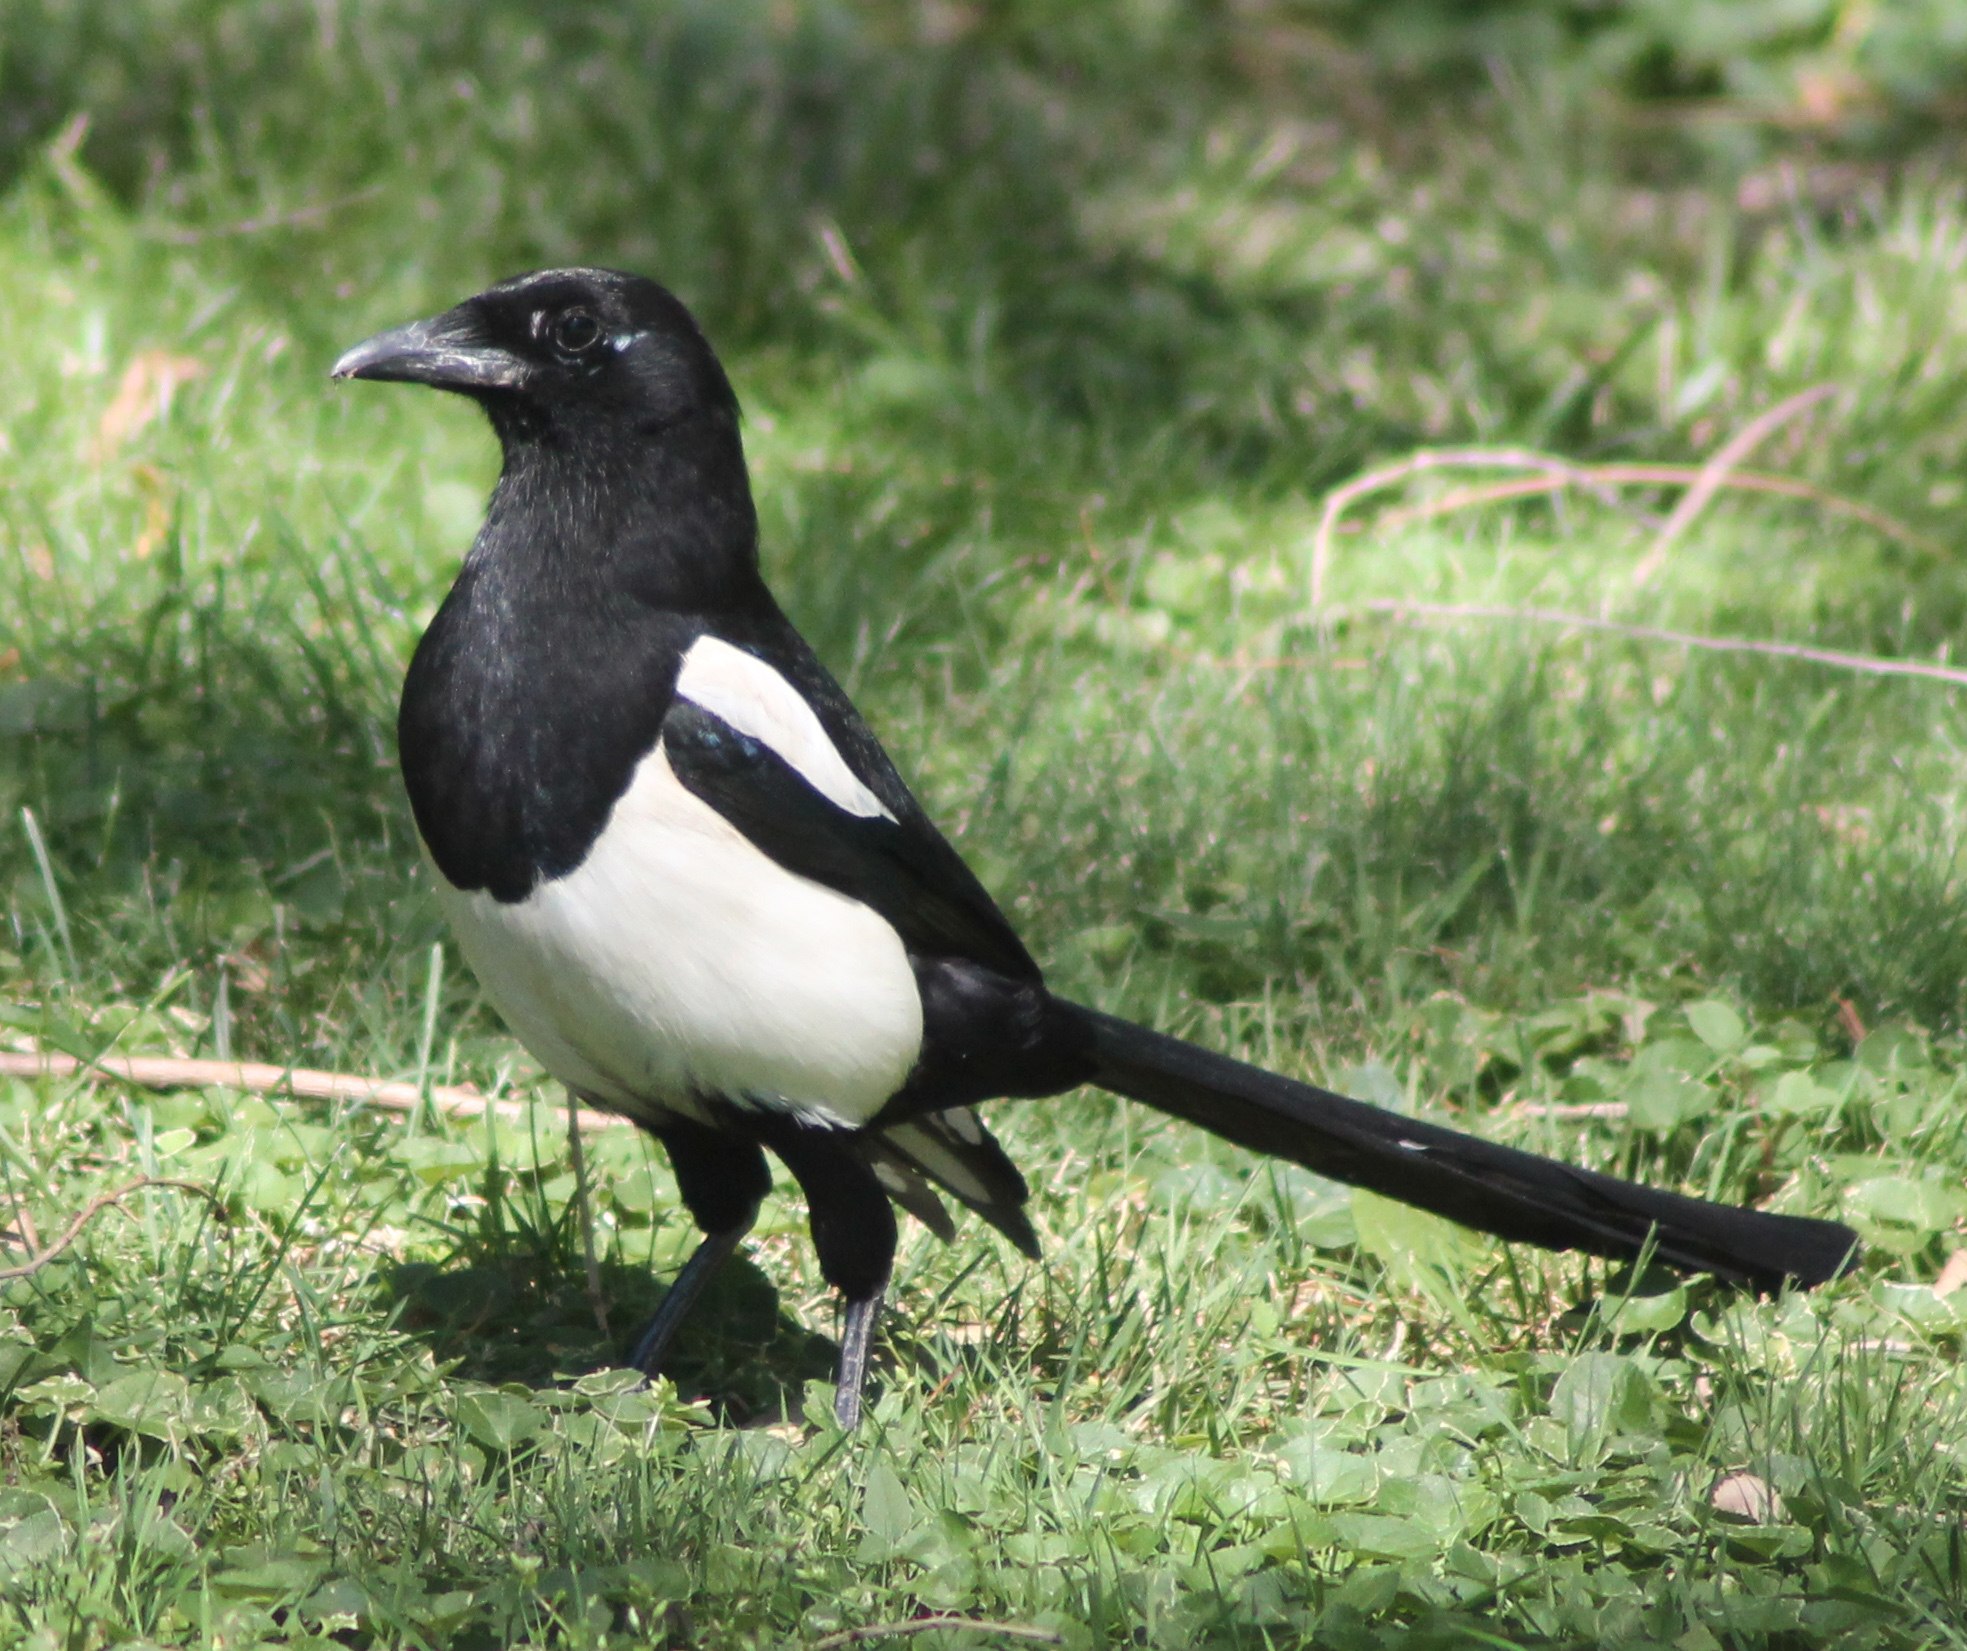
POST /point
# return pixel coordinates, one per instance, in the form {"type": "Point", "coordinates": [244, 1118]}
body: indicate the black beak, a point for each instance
{"type": "Point", "coordinates": [448, 352]}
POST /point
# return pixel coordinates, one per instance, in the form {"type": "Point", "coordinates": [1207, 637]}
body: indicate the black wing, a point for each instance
{"type": "Point", "coordinates": [901, 867]}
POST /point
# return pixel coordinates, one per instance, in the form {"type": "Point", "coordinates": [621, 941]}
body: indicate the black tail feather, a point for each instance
{"type": "Point", "coordinates": [1492, 1188]}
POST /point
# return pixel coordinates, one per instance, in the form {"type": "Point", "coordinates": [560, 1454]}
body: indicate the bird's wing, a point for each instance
{"type": "Point", "coordinates": [954, 1150]}
{"type": "Point", "coordinates": [792, 771]}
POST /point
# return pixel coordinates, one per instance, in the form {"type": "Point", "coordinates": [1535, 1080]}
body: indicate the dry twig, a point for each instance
{"type": "Point", "coordinates": [1669, 475]}
{"type": "Point", "coordinates": [1867, 664]}
{"type": "Point", "coordinates": [1568, 1110]}
{"type": "Point", "coordinates": [172, 1072]}
{"type": "Point", "coordinates": [1430, 458]}
{"type": "Point", "coordinates": [597, 1298]}
{"type": "Point", "coordinates": [1556, 475]}
{"type": "Point", "coordinates": [931, 1625]}
{"type": "Point", "coordinates": [1714, 474]}
{"type": "Point", "coordinates": [88, 1213]}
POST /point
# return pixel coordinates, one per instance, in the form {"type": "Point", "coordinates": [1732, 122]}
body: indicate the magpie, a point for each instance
{"type": "Point", "coordinates": [696, 888]}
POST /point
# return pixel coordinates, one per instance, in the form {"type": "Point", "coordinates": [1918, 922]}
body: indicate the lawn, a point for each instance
{"type": "Point", "coordinates": [1259, 468]}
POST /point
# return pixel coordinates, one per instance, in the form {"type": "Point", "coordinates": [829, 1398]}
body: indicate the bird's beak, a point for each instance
{"type": "Point", "coordinates": [448, 352]}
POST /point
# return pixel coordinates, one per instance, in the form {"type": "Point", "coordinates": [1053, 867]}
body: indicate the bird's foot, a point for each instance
{"type": "Point", "coordinates": [855, 1338]}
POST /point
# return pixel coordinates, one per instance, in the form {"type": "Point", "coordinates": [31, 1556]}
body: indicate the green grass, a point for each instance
{"type": "Point", "coordinates": [1054, 327]}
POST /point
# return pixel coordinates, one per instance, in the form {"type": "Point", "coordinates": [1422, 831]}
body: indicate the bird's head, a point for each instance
{"type": "Point", "coordinates": [561, 353]}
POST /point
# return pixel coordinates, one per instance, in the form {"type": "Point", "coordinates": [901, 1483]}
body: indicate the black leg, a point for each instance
{"type": "Point", "coordinates": [722, 1178]}
{"type": "Point", "coordinates": [855, 1335]}
{"type": "Point", "coordinates": [853, 1231]}
{"type": "Point", "coordinates": [705, 1261]}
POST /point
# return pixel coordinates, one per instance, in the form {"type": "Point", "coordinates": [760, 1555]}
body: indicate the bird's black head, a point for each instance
{"type": "Point", "coordinates": [561, 353]}
{"type": "Point", "coordinates": [620, 430]}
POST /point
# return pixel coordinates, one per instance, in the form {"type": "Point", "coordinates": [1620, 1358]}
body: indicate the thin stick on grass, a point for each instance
{"type": "Point", "coordinates": [1567, 1111]}
{"type": "Point", "coordinates": [1785, 487]}
{"type": "Point", "coordinates": [1471, 498]}
{"type": "Point", "coordinates": [1428, 458]}
{"type": "Point", "coordinates": [1834, 658]}
{"type": "Point", "coordinates": [1556, 475]}
{"type": "Point", "coordinates": [1714, 474]}
{"type": "Point", "coordinates": [1666, 475]}
{"type": "Point", "coordinates": [259, 1078]}
{"type": "Point", "coordinates": [596, 1298]}
{"type": "Point", "coordinates": [933, 1625]}
{"type": "Point", "coordinates": [1395, 608]}
{"type": "Point", "coordinates": [88, 1213]}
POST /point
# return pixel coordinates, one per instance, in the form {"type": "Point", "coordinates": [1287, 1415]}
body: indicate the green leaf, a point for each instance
{"type": "Point", "coordinates": [1890, 1048]}
{"type": "Point", "coordinates": [1639, 1315]}
{"type": "Point", "coordinates": [279, 1576]}
{"type": "Point", "coordinates": [154, 1403]}
{"type": "Point", "coordinates": [1376, 1085]}
{"type": "Point", "coordinates": [435, 1160]}
{"type": "Point", "coordinates": [611, 1383]}
{"type": "Point", "coordinates": [66, 1395]}
{"type": "Point", "coordinates": [1927, 1205]}
{"type": "Point", "coordinates": [1717, 1025]}
{"type": "Point", "coordinates": [340, 1602]}
{"type": "Point", "coordinates": [297, 1394]}
{"type": "Point", "coordinates": [1328, 1477]}
{"type": "Point", "coordinates": [222, 1409]}
{"type": "Point", "coordinates": [1687, 1056]}
{"type": "Point", "coordinates": [1768, 1542]}
{"type": "Point", "coordinates": [1375, 1536]}
{"type": "Point", "coordinates": [887, 1510]}
{"type": "Point", "coordinates": [31, 1538]}
{"type": "Point", "coordinates": [1600, 1393]}
{"type": "Point", "coordinates": [1659, 1101]}
{"type": "Point", "coordinates": [1797, 1094]}
{"type": "Point", "coordinates": [17, 1357]}
{"type": "Point", "coordinates": [1447, 1508]}
{"type": "Point", "coordinates": [499, 1420]}
{"type": "Point", "coordinates": [1413, 1245]}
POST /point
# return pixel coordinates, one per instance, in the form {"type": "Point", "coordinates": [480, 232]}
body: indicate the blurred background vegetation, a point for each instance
{"type": "Point", "coordinates": [1057, 323]}
{"type": "Point", "coordinates": [1180, 424]}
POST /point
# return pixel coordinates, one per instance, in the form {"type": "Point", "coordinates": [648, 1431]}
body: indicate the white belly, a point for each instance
{"type": "Point", "coordinates": [677, 960]}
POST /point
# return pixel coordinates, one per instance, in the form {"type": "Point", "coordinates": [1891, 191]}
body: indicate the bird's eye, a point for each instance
{"type": "Point", "coordinates": [575, 331]}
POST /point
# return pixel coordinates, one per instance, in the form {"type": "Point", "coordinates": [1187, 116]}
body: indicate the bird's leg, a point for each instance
{"type": "Point", "coordinates": [856, 1334]}
{"type": "Point", "coordinates": [722, 1178]}
{"type": "Point", "coordinates": [698, 1271]}
{"type": "Point", "coordinates": [853, 1231]}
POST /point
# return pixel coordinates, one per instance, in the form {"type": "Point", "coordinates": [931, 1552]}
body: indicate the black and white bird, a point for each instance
{"type": "Point", "coordinates": [691, 880]}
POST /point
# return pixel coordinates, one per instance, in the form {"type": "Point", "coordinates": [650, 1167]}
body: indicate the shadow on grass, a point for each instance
{"type": "Point", "coordinates": [499, 1311]}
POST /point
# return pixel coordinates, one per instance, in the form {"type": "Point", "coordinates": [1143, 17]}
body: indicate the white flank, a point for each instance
{"type": "Point", "coordinates": [677, 960]}
{"type": "Point", "coordinates": [754, 699]}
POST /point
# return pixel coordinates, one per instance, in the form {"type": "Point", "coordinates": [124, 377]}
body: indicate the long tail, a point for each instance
{"type": "Point", "coordinates": [1494, 1189]}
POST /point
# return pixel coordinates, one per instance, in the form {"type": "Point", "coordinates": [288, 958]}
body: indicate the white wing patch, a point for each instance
{"type": "Point", "coordinates": [754, 699]}
{"type": "Point", "coordinates": [962, 1123]}
{"type": "Point", "coordinates": [920, 1141]}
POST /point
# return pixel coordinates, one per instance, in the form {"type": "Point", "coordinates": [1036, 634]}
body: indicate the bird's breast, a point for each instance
{"type": "Point", "coordinates": [677, 961]}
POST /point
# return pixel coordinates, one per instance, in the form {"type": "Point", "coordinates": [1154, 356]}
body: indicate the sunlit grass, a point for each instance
{"type": "Point", "coordinates": [1042, 422]}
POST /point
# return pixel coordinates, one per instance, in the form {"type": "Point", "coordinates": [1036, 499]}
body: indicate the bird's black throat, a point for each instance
{"type": "Point", "coordinates": [544, 678]}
